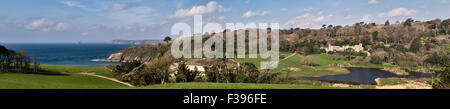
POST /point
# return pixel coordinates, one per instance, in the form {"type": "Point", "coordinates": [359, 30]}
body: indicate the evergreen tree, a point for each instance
{"type": "Point", "coordinates": [184, 74]}
{"type": "Point", "coordinates": [415, 45]}
{"type": "Point", "coordinates": [167, 39]}
{"type": "Point", "coordinates": [11, 61]}
{"type": "Point", "coordinates": [408, 22]}
{"type": "Point", "coordinates": [375, 36]}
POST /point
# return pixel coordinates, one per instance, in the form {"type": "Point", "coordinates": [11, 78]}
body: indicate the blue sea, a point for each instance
{"type": "Point", "coordinates": [86, 54]}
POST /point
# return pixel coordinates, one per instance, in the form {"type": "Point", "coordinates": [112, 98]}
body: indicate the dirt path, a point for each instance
{"type": "Point", "coordinates": [108, 78]}
{"type": "Point", "coordinates": [293, 54]}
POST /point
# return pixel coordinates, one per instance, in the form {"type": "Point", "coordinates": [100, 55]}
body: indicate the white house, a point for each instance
{"type": "Point", "coordinates": [357, 48]}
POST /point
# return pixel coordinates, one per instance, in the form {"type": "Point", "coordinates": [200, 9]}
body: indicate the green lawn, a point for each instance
{"type": "Point", "coordinates": [77, 81]}
{"type": "Point", "coordinates": [58, 81]}
{"type": "Point", "coordinates": [38, 81]}
{"type": "Point", "coordinates": [324, 67]}
{"type": "Point", "coordinates": [234, 86]}
{"type": "Point", "coordinates": [99, 70]}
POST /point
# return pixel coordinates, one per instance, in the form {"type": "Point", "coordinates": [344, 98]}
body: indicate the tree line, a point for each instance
{"type": "Point", "coordinates": [164, 68]}
{"type": "Point", "coordinates": [18, 62]}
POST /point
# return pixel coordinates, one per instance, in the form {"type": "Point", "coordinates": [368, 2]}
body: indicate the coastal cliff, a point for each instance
{"type": "Point", "coordinates": [142, 53]}
{"type": "Point", "coordinates": [115, 57]}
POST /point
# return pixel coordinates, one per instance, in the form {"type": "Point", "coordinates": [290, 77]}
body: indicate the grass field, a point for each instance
{"type": "Point", "coordinates": [99, 70]}
{"type": "Point", "coordinates": [38, 81]}
{"type": "Point", "coordinates": [234, 86]}
{"type": "Point", "coordinates": [55, 80]}
{"type": "Point", "coordinates": [78, 81]}
{"type": "Point", "coordinates": [323, 61]}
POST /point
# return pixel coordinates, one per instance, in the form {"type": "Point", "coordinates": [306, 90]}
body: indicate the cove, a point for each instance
{"type": "Point", "coordinates": [365, 76]}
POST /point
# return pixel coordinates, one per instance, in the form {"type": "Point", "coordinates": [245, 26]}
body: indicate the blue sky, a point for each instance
{"type": "Point", "coordinates": [52, 21]}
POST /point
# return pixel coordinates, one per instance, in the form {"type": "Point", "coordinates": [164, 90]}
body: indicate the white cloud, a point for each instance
{"type": "Point", "coordinates": [398, 12]}
{"type": "Point", "coordinates": [305, 10]}
{"type": "Point", "coordinates": [371, 2]}
{"type": "Point", "coordinates": [141, 15]}
{"type": "Point", "coordinates": [216, 19]}
{"type": "Point", "coordinates": [46, 25]}
{"type": "Point", "coordinates": [348, 9]}
{"type": "Point", "coordinates": [249, 14]}
{"type": "Point", "coordinates": [61, 26]}
{"type": "Point", "coordinates": [211, 7]}
{"type": "Point", "coordinates": [307, 20]}
{"type": "Point", "coordinates": [349, 17]}
{"type": "Point", "coordinates": [73, 4]}
{"type": "Point", "coordinates": [320, 13]}
{"type": "Point", "coordinates": [118, 7]}
{"type": "Point", "coordinates": [221, 18]}
{"type": "Point", "coordinates": [163, 22]}
{"type": "Point", "coordinates": [365, 19]}
{"type": "Point", "coordinates": [283, 9]}
{"type": "Point", "coordinates": [128, 31]}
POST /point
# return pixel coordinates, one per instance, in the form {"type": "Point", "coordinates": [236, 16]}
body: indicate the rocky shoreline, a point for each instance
{"type": "Point", "coordinates": [115, 57]}
{"type": "Point", "coordinates": [397, 71]}
{"type": "Point", "coordinates": [119, 57]}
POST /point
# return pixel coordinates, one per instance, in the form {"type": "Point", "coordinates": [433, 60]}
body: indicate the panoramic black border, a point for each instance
{"type": "Point", "coordinates": [174, 97]}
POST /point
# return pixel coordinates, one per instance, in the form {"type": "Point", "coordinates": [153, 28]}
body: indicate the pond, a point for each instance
{"type": "Point", "coordinates": [365, 76]}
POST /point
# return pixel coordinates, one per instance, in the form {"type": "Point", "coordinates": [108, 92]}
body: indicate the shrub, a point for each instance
{"type": "Point", "coordinates": [180, 77]}
{"type": "Point", "coordinates": [253, 75]}
{"type": "Point", "coordinates": [134, 77]}
{"type": "Point", "coordinates": [250, 71]}
{"type": "Point", "coordinates": [212, 73]}
{"type": "Point", "coordinates": [228, 77]}
{"type": "Point", "coordinates": [443, 80]}
{"type": "Point", "coordinates": [184, 74]}
{"type": "Point", "coordinates": [416, 45]}
{"type": "Point", "coordinates": [359, 60]}
{"type": "Point", "coordinates": [12, 61]}
{"type": "Point", "coordinates": [309, 61]}
{"type": "Point", "coordinates": [246, 73]}
{"type": "Point", "coordinates": [124, 68]}
{"type": "Point", "coordinates": [216, 71]}
{"type": "Point", "coordinates": [267, 77]}
{"type": "Point", "coordinates": [438, 60]}
{"type": "Point", "coordinates": [159, 68]}
{"type": "Point", "coordinates": [155, 72]}
{"type": "Point", "coordinates": [376, 59]}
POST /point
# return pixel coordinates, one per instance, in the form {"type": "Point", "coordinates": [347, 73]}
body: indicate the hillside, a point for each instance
{"type": "Point", "coordinates": [409, 42]}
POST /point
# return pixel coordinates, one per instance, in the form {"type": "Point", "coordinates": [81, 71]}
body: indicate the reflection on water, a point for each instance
{"type": "Point", "coordinates": [365, 76]}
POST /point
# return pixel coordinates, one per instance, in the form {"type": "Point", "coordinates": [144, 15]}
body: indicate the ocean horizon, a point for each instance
{"type": "Point", "coordinates": [84, 54]}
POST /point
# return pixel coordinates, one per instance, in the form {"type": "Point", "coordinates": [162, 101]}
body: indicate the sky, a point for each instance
{"type": "Point", "coordinates": [71, 21]}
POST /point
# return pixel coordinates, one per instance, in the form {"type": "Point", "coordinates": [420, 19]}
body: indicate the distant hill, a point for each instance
{"type": "Point", "coordinates": [136, 42]}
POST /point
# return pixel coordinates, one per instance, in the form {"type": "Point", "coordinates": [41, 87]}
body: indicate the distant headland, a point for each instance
{"type": "Point", "coordinates": [135, 42]}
